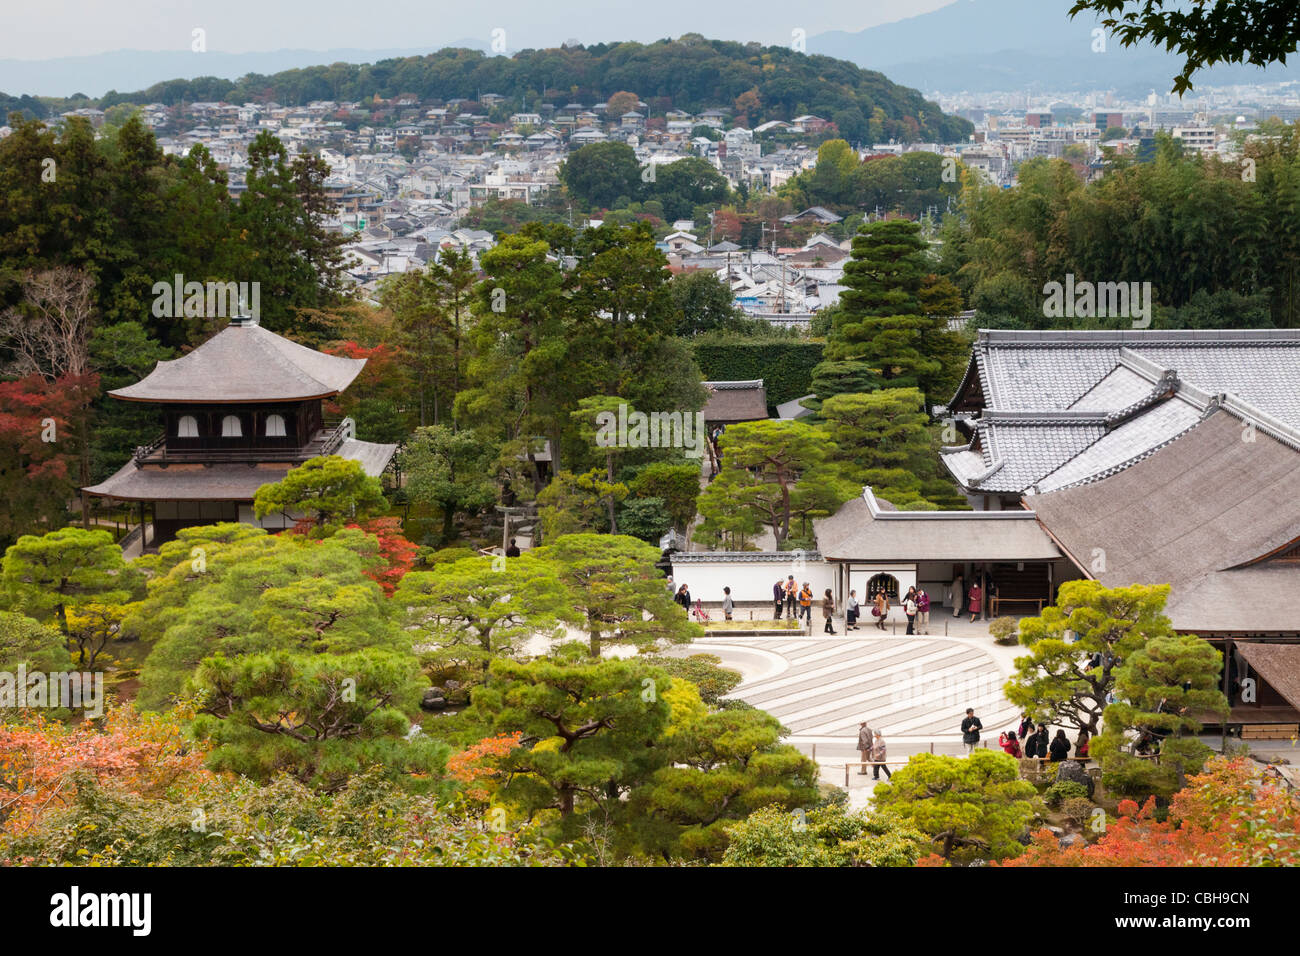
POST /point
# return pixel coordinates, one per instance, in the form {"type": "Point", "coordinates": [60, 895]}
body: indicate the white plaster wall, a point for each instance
{"type": "Point", "coordinates": [750, 581]}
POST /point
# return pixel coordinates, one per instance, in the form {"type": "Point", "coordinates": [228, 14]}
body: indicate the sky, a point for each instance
{"type": "Point", "coordinates": [59, 28]}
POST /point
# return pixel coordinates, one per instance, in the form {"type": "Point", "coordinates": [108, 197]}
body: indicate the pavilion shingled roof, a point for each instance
{"type": "Point", "coordinates": [245, 363]}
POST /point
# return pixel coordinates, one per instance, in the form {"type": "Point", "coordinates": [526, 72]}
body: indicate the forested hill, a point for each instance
{"type": "Point", "coordinates": [763, 83]}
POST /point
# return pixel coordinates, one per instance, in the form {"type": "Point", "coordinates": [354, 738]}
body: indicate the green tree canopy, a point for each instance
{"type": "Point", "coordinates": [969, 806]}
{"type": "Point", "coordinates": [328, 489]}
{"type": "Point", "coordinates": [612, 580]}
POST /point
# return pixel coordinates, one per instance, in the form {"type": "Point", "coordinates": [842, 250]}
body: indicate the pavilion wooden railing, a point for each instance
{"type": "Point", "coordinates": [157, 452]}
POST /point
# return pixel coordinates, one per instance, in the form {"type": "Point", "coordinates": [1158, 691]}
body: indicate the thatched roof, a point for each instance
{"type": "Point", "coordinates": [1278, 664]}
{"type": "Point", "coordinates": [245, 363]}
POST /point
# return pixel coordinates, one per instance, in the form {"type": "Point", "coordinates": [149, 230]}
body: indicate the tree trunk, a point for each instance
{"type": "Point", "coordinates": [594, 649]}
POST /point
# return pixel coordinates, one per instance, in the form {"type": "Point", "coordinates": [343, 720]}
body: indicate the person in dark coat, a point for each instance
{"type": "Point", "coordinates": [970, 730]}
{"type": "Point", "coordinates": [1059, 748]}
{"type": "Point", "coordinates": [778, 600]}
{"type": "Point", "coordinates": [1030, 741]}
{"type": "Point", "coordinates": [828, 611]}
{"type": "Point", "coordinates": [1041, 742]}
{"type": "Point", "coordinates": [683, 597]}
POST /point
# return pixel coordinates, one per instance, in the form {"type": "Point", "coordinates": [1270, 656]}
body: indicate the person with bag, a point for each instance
{"type": "Point", "coordinates": [909, 608]}
{"type": "Point", "coordinates": [1009, 743]}
{"type": "Point", "coordinates": [851, 611]}
{"type": "Point", "coordinates": [922, 611]}
{"type": "Point", "coordinates": [880, 611]}
{"type": "Point", "coordinates": [1059, 748]}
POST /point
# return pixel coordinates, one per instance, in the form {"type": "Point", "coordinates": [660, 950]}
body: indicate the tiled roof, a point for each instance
{"type": "Point", "coordinates": [864, 530]}
{"type": "Point", "coordinates": [735, 401]}
{"type": "Point", "coordinates": [1124, 445]}
{"type": "Point", "coordinates": [1061, 408]}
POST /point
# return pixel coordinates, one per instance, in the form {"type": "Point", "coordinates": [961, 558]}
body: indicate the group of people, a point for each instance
{"type": "Point", "coordinates": [1031, 741]}
{"type": "Point", "coordinates": [789, 599]}
{"type": "Point", "coordinates": [871, 746]}
{"type": "Point", "coordinates": [916, 607]}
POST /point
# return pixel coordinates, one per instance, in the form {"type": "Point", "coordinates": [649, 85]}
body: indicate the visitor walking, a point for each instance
{"type": "Point", "coordinates": [805, 603]}
{"type": "Point", "coordinates": [880, 610]}
{"type": "Point", "coordinates": [909, 608]}
{"type": "Point", "coordinates": [728, 605]}
{"type": "Point", "coordinates": [851, 611]}
{"type": "Point", "coordinates": [778, 599]}
{"type": "Point", "coordinates": [791, 597]}
{"type": "Point", "coordinates": [1059, 748]}
{"type": "Point", "coordinates": [1081, 745]}
{"type": "Point", "coordinates": [970, 730]}
{"type": "Point", "coordinates": [683, 597]}
{"type": "Point", "coordinates": [828, 611]}
{"type": "Point", "coordinates": [865, 740]}
{"type": "Point", "coordinates": [974, 601]}
{"type": "Point", "coordinates": [956, 596]}
{"type": "Point", "coordinates": [922, 611]}
{"type": "Point", "coordinates": [878, 756]}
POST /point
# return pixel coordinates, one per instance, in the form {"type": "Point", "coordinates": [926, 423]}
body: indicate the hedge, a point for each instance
{"type": "Point", "coordinates": [785, 365]}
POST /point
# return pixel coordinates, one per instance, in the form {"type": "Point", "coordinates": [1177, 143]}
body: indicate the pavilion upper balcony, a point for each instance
{"type": "Point", "coordinates": [326, 441]}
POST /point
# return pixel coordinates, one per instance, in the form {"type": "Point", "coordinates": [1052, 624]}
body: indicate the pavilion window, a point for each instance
{"type": "Point", "coordinates": [230, 427]}
{"type": "Point", "coordinates": [187, 426]}
{"type": "Point", "coordinates": [275, 426]}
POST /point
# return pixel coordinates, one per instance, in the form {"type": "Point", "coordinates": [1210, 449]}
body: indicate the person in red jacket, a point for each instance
{"type": "Point", "coordinates": [1009, 743]}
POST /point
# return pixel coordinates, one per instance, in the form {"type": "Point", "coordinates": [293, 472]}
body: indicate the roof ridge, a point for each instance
{"type": "Point", "coordinates": [1147, 337]}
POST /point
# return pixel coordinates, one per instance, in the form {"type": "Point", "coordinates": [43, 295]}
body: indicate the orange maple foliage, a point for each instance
{"type": "Point", "coordinates": [40, 758]}
{"type": "Point", "coordinates": [1226, 816]}
{"type": "Point", "coordinates": [474, 768]}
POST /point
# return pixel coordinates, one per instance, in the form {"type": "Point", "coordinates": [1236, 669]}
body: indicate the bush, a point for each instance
{"type": "Point", "coordinates": [785, 365]}
{"type": "Point", "coordinates": [1005, 630]}
{"type": "Point", "coordinates": [1059, 793]}
{"type": "Point", "coordinates": [1079, 809]}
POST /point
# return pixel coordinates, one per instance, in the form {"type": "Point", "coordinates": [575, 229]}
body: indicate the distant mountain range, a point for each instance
{"type": "Point", "coordinates": [124, 70]}
{"type": "Point", "coordinates": [973, 45]}
{"type": "Point", "coordinates": [986, 45]}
